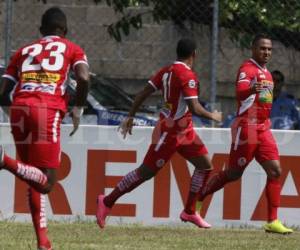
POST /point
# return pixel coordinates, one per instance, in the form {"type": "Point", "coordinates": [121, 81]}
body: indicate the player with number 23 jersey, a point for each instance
{"type": "Point", "coordinates": [41, 71]}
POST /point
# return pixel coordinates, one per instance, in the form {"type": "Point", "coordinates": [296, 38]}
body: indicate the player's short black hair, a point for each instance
{"type": "Point", "coordinates": [279, 75]}
{"type": "Point", "coordinates": [185, 48]}
{"type": "Point", "coordinates": [259, 37]}
{"type": "Point", "coordinates": [53, 19]}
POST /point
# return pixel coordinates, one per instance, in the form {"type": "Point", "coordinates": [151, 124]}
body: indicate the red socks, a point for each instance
{"type": "Point", "coordinates": [215, 183]}
{"type": "Point", "coordinates": [37, 204]}
{"type": "Point", "coordinates": [273, 189]}
{"type": "Point", "coordinates": [25, 172]}
{"type": "Point", "coordinates": [197, 182]}
{"type": "Point", "coordinates": [127, 184]}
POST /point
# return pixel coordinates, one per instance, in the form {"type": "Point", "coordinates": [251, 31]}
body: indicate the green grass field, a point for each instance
{"type": "Point", "coordinates": [86, 235]}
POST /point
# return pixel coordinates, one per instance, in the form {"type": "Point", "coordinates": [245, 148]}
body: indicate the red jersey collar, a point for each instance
{"type": "Point", "coordinates": [262, 68]}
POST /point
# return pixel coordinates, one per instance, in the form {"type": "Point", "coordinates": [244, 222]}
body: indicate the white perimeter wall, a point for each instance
{"type": "Point", "coordinates": [94, 160]}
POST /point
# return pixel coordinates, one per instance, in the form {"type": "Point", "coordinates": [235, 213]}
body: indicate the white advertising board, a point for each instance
{"type": "Point", "coordinates": [96, 157]}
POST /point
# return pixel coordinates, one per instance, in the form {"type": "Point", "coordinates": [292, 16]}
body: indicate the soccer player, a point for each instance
{"type": "Point", "coordinates": [174, 132]}
{"type": "Point", "coordinates": [251, 135]}
{"type": "Point", "coordinates": [38, 74]}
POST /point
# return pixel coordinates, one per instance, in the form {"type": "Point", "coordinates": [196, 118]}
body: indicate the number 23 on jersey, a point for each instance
{"type": "Point", "coordinates": [54, 62]}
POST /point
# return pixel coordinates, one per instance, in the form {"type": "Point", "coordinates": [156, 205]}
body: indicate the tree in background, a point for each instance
{"type": "Point", "coordinates": [242, 18]}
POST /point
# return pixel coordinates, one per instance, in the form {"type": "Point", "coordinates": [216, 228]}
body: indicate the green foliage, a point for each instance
{"type": "Point", "coordinates": [176, 10]}
{"type": "Point", "coordinates": [279, 19]}
{"type": "Point", "coordinates": [243, 18]}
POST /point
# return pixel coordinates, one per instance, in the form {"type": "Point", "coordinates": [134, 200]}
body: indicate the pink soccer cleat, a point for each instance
{"type": "Point", "coordinates": [102, 211]}
{"type": "Point", "coordinates": [195, 219]}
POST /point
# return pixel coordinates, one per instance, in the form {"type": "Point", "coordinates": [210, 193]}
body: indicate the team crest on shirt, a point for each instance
{"type": "Point", "coordinates": [160, 163]}
{"type": "Point", "coordinates": [242, 161]}
{"type": "Point", "coordinates": [242, 76]}
{"type": "Point", "coordinates": [192, 84]}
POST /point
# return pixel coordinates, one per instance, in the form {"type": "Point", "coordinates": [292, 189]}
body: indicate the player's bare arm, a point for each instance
{"type": "Point", "coordinates": [6, 89]}
{"type": "Point", "coordinates": [82, 77]}
{"type": "Point", "coordinates": [126, 126]}
{"type": "Point", "coordinates": [196, 108]}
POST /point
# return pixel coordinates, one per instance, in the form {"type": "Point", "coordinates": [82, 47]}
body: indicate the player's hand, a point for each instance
{"type": "Point", "coordinates": [76, 114]}
{"type": "Point", "coordinates": [217, 116]}
{"type": "Point", "coordinates": [126, 126]}
{"type": "Point", "coordinates": [76, 122]}
{"type": "Point", "coordinates": [257, 87]}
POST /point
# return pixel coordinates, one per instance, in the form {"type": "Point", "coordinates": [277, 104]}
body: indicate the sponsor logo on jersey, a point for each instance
{"type": "Point", "coordinates": [266, 95]}
{"type": "Point", "coordinates": [242, 76]}
{"type": "Point", "coordinates": [160, 163]}
{"type": "Point", "coordinates": [38, 87]}
{"type": "Point", "coordinates": [43, 77]}
{"type": "Point", "coordinates": [242, 161]}
{"type": "Point", "coordinates": [192, 84]}
{"type": "Point", "coordinates": [168, 105]}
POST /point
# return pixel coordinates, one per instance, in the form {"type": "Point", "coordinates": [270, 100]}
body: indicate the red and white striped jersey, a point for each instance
{"type": "Point", "coordinates": [177, 83]}
{"type": "Point", "coordinates": [253, 108]}
{"type": "Point", "coordinates": [40, 71]}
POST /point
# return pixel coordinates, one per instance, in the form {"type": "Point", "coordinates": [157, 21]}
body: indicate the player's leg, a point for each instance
{"type": "Point", "coordinates": [28, 173]}
{"type": "Point", "coordinates": [267, 155]}
{"type": "Point", "coordinates": [191, 147]}
{"type": "Point", "coordinates": [37, 205]}
{"type": "Point", "coordinates": [273, 187]}
{"type": "Point", "coordinates": [36, 201]}
{"type": "Point", "coordinates": [201, 172]}
{"type": "Point", "coordinates": [31, 126]}
{"type": "Point", "coordinates": [39, 152]}
{"type": "Point", "coordinates": [45, 152]}
{"type": "Point", "coordinates": [203, 166]}
{"type": "Point", "coordinates": [23, 152]}
{"type": "Point", "coordinates": [241, 154]}
{"type": "Point", "coordinates": [219, 180]}
{"type": "Point", "coordinates": [20, 127]}
{"type": "Point", "coordinates": [129, 182]}
{"type": "Point", "coordinates": [158, 154]}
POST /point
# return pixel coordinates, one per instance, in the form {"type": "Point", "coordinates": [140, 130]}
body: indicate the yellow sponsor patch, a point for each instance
{"type": "Point", "coordinates": [266, 96]}
{"type": "Point", "coordinates": [168, 105]}
{"type": "Point", "coordinates": [43, 77]}
{"type": "Point", "coordinates": [267, 83]}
